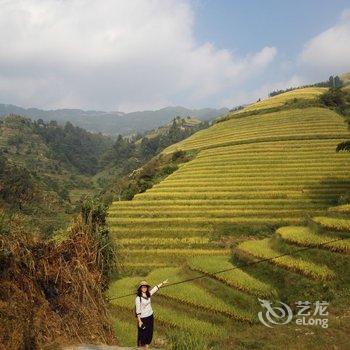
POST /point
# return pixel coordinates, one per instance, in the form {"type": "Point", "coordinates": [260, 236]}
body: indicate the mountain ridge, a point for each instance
{"type": "Point", "coordinates": [113, 122]}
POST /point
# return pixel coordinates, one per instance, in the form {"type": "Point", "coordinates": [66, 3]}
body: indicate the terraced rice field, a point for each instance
{"type": "Point", "coordinates": [261, 249]}
{"type": "Point", "coordinates": [270, 182]}
{"type": "Point", "coordinates": [278, 100]}
{"type": "Point", "coordinates": [259, 183]}
{"type": "Point", "coordinates": [201, 298]}
{"type": "Point", "coordinates": [283, 125]}
{"type": "Point", "coordinates": [233, 276]}
{"type": "Point", "coordinates": [305, 236]}
{"type": "Point", "coordinates": [275, 168]}
{"type": "Point", "coordinates": [195, 295]}
{"type": "Point", "coordinates": [341, 209]}
{"type": "Point", "coordinates": [333, 224]}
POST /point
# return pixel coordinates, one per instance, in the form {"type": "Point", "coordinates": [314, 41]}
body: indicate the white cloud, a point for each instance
{"type": "Point", "coordinates": [124, 55]}
{"type": "Point", "coordinates": [330, 50]}
{"type": "Point", "coordinates": [325, 54]}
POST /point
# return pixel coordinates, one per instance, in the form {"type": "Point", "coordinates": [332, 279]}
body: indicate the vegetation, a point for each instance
{"type": "Point", "coordinates": [269, 165]}
{"type": "Point", "coordinates": [339, 100]}
{"type": "Point", "coordinates": [152, 172]}
{"type": "Point", "coordinates": [139, 149]}
{"type": "Point", "coordinates": [210, 202]}
{"type": "Point", "coordinates": [262, 250]}
{"type": "Point", "coordinates": [236, 278]}
{"type": "Point", "coordinates": [64, 278]}
{"type": "Point", "coordinates": [112, 123]}
{"type": "Point", "coordinates": [40, 164]}
{"type": "Point", "coordinates": [207, 191]}
{"type": "Point", "coordinates": [307, 93]}
{"type": "Point", "coordinates": [267, 127]}
{"type": "Point", "coordinates": [73, 145]}
{"type": "Point", "coordinates": [17, 187]}
{"type": "Point", "coordinates": [344, 208]}
{"type": "Point", "coordinates": [333, 82]}
{"type": "Point", "coordinates": [334, 224]}
{"type": "Point", "coordinates": [108, 257]}
{"type": "Point", "coordinates": [336, 99]}
{"type": "Point", "coordinates": [47, 168]}
{"type": "Point", "coordinates": [307, 237]}
{"type": "Point", "coordinates": [193, 294]}
{"type": "Point", "coordinates": [170, 317]}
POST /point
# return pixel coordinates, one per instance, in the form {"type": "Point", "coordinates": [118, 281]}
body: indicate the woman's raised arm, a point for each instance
{"type": "Point", "coordinates": [157, 287]}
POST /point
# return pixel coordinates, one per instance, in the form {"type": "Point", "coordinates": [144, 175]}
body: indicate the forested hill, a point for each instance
{"type": "Point", "coordinates": [41, 163]}
{"type": "Point", "coordinates": [46, 168]}
{"type": "Point", "coordinates": [112, 123]}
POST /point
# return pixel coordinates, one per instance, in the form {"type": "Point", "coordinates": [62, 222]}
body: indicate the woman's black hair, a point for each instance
{"type": "Point", "coordinates": [139, 293]}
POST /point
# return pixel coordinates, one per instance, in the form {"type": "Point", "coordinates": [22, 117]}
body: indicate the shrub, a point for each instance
{"type": "Point", "coordinates": [334, 98]}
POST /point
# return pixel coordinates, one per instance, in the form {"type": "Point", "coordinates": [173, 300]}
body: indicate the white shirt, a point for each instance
{"type": "Point", "coordinates": [144, 308]}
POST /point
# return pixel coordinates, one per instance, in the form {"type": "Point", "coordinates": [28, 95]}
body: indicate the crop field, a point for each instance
{"type": "Point", "coordinates": [304, 93]}
{"type": "Point", "coordinates": [261, 249]}
{"type": "Point", "coordinates": [333, 224]}
{"type": "Point", "coordinates": [189, 293]}
{"type": "Point", "coordinates": [276, 171]}
{"type": "Point", "coordinates": [305, 236]}
{"type": "Point", "coordinates": [341, 209]}
{"type": "Point", "coordinates": [195, 295]}
{"type": "Point", "coordinates": [202, 298]}
{"type": "Point", "coordinates": [265, 183]}
{"type": "Point", "coordinates": [283, 124]}
{"type": "Point", "coordinates": [236, 278]}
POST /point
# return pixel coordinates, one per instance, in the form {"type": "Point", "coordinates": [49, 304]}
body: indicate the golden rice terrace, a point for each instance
{"type": "Point", "coordinates": [276, 168]}
{"type": "Point", "coordinates": [270, 168]}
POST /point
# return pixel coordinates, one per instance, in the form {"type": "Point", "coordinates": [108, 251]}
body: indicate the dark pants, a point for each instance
{"type": "Point", "coordinates": [144, 336]}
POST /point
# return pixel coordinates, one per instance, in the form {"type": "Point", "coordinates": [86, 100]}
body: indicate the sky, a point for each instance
{"type": "Point", "coordinates": [129, 55]}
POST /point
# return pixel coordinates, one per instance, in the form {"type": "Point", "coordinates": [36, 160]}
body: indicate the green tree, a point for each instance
{"type": "Point", "coordinates": [334, 98]}
{"type": "Point", "coordinates": [331, 81]}
{"type": "Point", "coordinates": [337, 82]}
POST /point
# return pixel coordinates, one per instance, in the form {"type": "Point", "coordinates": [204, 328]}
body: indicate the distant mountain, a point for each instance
{"type": "Point", "coordinates": [113, 123]}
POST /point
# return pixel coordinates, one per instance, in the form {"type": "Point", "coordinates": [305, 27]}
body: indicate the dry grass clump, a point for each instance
{"type": "Point", "coordinates": [51, 291]}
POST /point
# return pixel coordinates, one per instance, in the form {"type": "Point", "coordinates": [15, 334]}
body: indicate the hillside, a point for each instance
{"type": "Point", "coordinates": [255, 160]}
{"type": "Point", "coordinates": [112, 123]}
{"type": "Point", "coordinates": [345, 78]}
{"type": "Point", "coordinates": [254, 171]}
{"type": "Point", "coordinates": [46, 168]}
{"type": "Point", "coordinates": [183, 123]}
{"type": "Point", "coordinates": [41, 164]}
{"type": "Point", "coordinates": [304, 94]}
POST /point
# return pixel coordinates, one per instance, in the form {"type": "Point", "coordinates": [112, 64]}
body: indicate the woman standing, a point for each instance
{"type": "Point", "coordinates": [144, 312]}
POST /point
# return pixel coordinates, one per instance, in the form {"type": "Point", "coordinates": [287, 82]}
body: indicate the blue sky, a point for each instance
{"type": "Point", "coordinates": [248, 25]}
{"type": "Point", "coordinates": [148, 54]}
